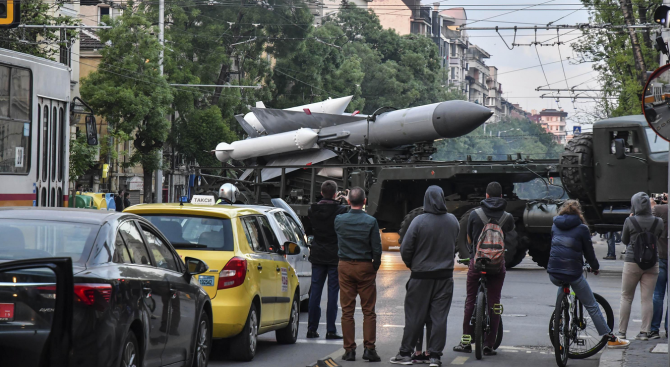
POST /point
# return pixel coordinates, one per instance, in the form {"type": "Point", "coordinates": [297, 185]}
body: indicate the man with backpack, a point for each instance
{"type": "Point", "coordinates": [496, 222]}
{"type": "Point", "coordinates": [640, 235]}
{"type": "Point", "coordinates": [428, 250]}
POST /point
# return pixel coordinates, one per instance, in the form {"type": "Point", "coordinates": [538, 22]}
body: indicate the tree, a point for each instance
{"type": "Point", "coordinates": [128, 91]}
{"type": "Point", "coordinates": [81, 156]}
{"type": "Point", "coordinates": [612, 53]}
{"type": "Point", "coordinates": [39, 41]}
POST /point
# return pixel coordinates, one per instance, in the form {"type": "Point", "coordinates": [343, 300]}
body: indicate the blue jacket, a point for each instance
{"type": "Point", "coordinates": [570, 241]}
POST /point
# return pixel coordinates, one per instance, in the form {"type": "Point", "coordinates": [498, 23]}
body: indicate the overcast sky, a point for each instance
{"type": "Point", "coordinates": [519, 87]}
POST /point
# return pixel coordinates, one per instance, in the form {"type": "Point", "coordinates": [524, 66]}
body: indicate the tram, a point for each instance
{"type": "Point", "coordinates": [34, 130]}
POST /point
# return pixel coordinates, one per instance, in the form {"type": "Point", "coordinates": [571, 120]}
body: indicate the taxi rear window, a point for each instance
{"type": "Point", "coordinates": [197, 233]}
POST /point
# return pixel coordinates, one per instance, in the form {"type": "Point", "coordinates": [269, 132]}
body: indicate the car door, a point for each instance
{"type": "Point", "coordinates": [282, 299]}
{"type": "Point", "coordinates": [305, 272]}
{"type": "Point", "coordinates": [285, 233]}
{"type": "Point", "coordinates": [262, 262]}
{"type": "Point", "coordinates": [182, 311]}
{"type": "Point", "coordinates": [155, 291]}
{"type": "Point", "coordinates": [26, 332]}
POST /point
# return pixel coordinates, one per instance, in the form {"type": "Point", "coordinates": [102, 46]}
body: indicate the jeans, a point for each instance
{"type": "Point", "coordinates": [611, 244]}
{"type": "Point", "coordinates": [585, 295]}
{"type": "Point", "coordinates": [659, 294]}
{"type": "Point", "coordinates": [494, 284]}
{"type": "Point", "coordinates": [319, 274]}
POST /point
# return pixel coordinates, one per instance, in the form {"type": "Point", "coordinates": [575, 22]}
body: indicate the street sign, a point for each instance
{"type": "Point", "coordinates": [576, 130]}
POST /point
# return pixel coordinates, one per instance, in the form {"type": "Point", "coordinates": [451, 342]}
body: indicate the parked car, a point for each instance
{"type": "Point", "coordinates": [135, 303]}
{"type": "Point", "coordinates": [253, 287]}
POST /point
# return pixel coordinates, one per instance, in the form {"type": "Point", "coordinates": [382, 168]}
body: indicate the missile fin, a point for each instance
{"type": "Point", "coordinates": [247, 128]}
{"type": "Point", "coordinates": [302, 158]}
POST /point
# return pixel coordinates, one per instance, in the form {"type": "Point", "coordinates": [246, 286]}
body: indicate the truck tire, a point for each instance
{"type": "Point", "coordinates": [540, 246]}
{"type": "Point", "coordinates": [579, 186]}
{"type": "Point", "coordinates": [409, 217]}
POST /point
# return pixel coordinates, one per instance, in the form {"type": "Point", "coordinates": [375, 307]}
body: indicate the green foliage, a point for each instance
{"type": "Point", "coordinates": [612, 56]}
{"type": "Point", "coordinates": [511, 136]}
{"type": "Point", "coordinates": [81, 156]}
{"type": "Point", "coordinates": [38, 41]}
{"type": "Point", "coordinates": [127, 90]}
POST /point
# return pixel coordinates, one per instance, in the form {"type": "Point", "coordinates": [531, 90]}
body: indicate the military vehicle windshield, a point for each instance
{"type": "Point", "coordinates": [656, 144]}
{"type": "Point", "coordinates": [540, 189]}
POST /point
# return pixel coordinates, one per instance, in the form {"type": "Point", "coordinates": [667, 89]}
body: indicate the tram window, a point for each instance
{"type": "Point", "coordinates": [4, 91]}
{"type": "Point", "coordinates": [44, 196]}
{"type": "Point", "coordinates": [45, 143]}
{"type": "Point", "coordinates": [20, 92]}
{"type": "Point", "coordinates": [61, 146]}
{"type": "Point", "coordinates": [53, 197]}
{"type": "Point", "coordinates": [54, 139]}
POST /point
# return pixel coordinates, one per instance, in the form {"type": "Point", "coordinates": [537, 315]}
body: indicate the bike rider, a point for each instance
{"type": "Point", "coordinates": [228, 194]}
{"type": "Point", "coordinates": [494, 208]}
{"type": "Point", "coordinates": [570, 243]}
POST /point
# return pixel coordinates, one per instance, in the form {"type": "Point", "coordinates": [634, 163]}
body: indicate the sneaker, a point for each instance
{"type": "Point", "coordinates": [609, 257]}
{"type": "Point", "coordinates": [435, 362]}
{"type": "Point", "coordinates": [620, 335]}
{"type": "Point", "coordinates": [463, 348]}
{"type": "Point", "coordinates": [642, 336]}
{"type": "Point", "coordinates": [617, 343]}
{"type": "Point", "coordinates": [488, 351]}
{"type": "Point", "coordinates": [420, 358]}
{"type": "Point", "coordinates": [654, 335]}
{"type": "Point", "coordinates": [371, 355]}
{"type": "Point", "coordinates": [401, 359]}
{"type": "Point", "coordinates": [312, 334]}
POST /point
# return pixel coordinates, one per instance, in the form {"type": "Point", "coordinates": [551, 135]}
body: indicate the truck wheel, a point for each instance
{"type": "Point", "coordinates": [409, 217]}
{"type": "Point", "coordinates": [540, 246]}
{"type": "Point", "coordinates": [462, 240]}
{"type": "Point", "coordinates": [578, 185]}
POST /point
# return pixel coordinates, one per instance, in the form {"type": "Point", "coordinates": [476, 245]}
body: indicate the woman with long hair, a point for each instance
{"type": "Point", "coordinates": [570, 244]}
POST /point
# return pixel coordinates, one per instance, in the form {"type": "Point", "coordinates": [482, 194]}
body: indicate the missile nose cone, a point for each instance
{"type": "Point", "coordinates": [452, 119]}
{"type": "Point", "coordinates": [223, 151]}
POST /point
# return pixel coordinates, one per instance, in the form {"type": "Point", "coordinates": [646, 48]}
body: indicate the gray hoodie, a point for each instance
{"type": "Point", "coordinates": [642, 212]}
{"type": "Point", "coordinates": [429, 244]}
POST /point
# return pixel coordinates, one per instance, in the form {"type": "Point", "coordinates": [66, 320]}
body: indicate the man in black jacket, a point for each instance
{"type": "Point", "coordinates": [324, 259]}
{"type": "Point", "coordinates": [493, 208]}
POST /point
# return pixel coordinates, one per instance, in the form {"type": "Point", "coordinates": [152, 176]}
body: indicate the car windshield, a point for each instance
{"type": "Point", "coordinates": [198, 233]}
{"type": "Point", "coordinates": [28, 239]}
{"type": "Point", "coordinates": [656, 144]}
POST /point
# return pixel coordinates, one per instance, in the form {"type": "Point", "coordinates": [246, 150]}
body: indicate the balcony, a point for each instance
{"type": "Point", "coordinates": [422, 14]}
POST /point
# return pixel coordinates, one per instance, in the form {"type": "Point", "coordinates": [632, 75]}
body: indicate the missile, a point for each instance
{"type": "Point", "coordinates": [291, 141]}
{"type": "Point", "coordinates": [448, 119]}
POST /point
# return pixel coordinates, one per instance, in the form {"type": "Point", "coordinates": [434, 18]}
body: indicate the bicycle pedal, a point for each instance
{"type": "Point", "coordinates": [580, 342]}
{"type": "Point", "coordinates": [498, 308]}
{"type": "Point", "coordinates": [466, 339]}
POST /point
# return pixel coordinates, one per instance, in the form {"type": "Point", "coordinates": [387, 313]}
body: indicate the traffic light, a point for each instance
{"type": "Point", "coordinates": [10, 13]}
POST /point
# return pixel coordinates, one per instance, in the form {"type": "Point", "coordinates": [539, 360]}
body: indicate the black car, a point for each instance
{"type": "Point", "coordinates": [133, 301]}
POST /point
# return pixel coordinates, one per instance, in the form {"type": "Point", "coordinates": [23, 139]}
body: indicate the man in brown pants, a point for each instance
{"type": "Point", "coordinates": [360, 253]}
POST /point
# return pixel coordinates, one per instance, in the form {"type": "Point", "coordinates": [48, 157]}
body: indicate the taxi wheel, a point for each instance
{"type": "Point", "coordinates": [289, 334]}
{"type": "Point", "coordinates": [203, 342]}
{"type": "Point", "coordinates": [243, 345]}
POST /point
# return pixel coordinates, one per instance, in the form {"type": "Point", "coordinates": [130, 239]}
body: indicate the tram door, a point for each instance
{"type": "Point", "coordinates": [50, 152]}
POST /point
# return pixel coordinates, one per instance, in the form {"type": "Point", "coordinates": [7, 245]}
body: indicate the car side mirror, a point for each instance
{"type": "Point", "coordinates": [195, 266]}
{"type": "Point", "coordinates": [291, 248]}
{"type": "Point", "coordinates": [619, 149]}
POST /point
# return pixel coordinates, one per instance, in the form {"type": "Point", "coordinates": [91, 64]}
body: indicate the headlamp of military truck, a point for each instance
{"type": "Point", "coordinates": [10, 13]}
{"type": "Point", "coordinates": [656, 102]}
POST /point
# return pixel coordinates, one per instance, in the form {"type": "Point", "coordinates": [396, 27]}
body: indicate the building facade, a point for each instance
{"type": "Point", "coordinates": [553, 121]}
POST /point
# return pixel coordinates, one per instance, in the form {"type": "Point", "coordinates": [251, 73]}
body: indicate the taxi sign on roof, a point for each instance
{"type": "Point", "coordinates": [203, 200]}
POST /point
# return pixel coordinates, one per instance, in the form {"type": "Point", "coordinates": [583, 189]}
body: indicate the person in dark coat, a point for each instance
{"type": "Point", "coordinates": [428, 250]}
{"type": "Point", "coordinates": [570, 243]}
{"type": "Point", "coordinates": [324, 259]}
{"type": "Point", "coordinates": [118, 201]}
{"type": "Point", "coordinates": [126, 200]}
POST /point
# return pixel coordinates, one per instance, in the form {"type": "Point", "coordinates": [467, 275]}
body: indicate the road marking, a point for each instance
{"type": "Point", "coordinates": [321, 323]}
{"type": "Point", "coordinates": [508, 350]}
{"type": "Point", "coordinates": [459, 360]}
{"type": "Point", "coordinates": [514, 315]}
{"type": "Point", "coordinates": [528, 352]}
{"type": "Point", "coordinates": [316, 341]}
{"type": "Point", "coordinates": [505, 331]}
{"type": "Point", "coordinates": [634, 320]}
{"type": "Point", "coordinates": [393, 325]}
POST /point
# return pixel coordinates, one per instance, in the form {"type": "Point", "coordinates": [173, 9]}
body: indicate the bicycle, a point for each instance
{"type": "Point", "coordinates": [570, 326]}
{"type": "Point", "coordinates": [481, 317]}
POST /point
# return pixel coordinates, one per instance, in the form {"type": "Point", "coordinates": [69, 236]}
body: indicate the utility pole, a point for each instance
{"type": "Point", "coordinates": [161, 38]}
{"type": "Point", "coordinates": [629, 18]}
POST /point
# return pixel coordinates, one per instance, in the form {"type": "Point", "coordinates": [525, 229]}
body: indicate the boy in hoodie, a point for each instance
{"type": "Point", "coordinates": [632, 273]}
{"type": "Point", "coordinates": [428, 251]}
{"type": "Point", "coordinates": [494, 209]}
{"type": "Point", "coordinates": [324, 259]}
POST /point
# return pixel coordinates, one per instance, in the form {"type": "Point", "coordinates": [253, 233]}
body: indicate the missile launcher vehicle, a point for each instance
{"type": "Point", "coordinates": [392, 162]}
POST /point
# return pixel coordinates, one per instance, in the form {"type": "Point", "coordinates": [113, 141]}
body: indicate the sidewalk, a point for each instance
{"type": "Point", "coordinates": [638, 354]}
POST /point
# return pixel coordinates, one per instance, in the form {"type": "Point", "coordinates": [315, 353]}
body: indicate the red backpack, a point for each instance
{"type": "Point", "coordinates": [491, 244]}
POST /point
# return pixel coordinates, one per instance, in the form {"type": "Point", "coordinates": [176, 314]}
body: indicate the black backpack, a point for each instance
{"type": "Point", "coordinates": [644, 245]}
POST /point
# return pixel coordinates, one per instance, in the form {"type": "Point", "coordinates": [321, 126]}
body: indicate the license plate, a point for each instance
{"type": "Point", "coordinates": [6, 311]}
{"type": "Point", "coordinates": [206, 280]}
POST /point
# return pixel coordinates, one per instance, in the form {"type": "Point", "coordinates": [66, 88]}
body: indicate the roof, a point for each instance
{"type": "Point", "coordinates": [87, 216]}
{"type": "Point", "coordinates": [89, 41]}
{"type": "Point", "coordinates": [623, 121]}
{"type": "Point", "coordinates": [222, 211]}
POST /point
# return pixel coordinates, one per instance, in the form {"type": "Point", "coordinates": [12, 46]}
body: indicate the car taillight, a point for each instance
{"type": "Point", "coordinates": [233, 273]}
{"type": "Point", "coordinates": [86, 292]}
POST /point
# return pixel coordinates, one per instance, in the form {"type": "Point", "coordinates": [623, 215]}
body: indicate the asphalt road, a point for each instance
{"type": "Point", "coordinates": [528, 298]}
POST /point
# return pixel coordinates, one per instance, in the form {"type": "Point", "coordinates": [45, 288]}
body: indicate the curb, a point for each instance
{"type": "Point", "coordinates": [611, 358]}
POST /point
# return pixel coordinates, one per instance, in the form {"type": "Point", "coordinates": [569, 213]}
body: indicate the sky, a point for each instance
{"type": "Point", "coordinates": [519, 87]}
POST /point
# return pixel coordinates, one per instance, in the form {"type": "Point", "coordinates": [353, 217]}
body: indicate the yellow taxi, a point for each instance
{"type": "Point", "coordinates": [253, 288]}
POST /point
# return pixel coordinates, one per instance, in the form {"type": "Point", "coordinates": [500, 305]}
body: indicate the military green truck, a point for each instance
{"type": "Point", "coordinates": [602, 169]}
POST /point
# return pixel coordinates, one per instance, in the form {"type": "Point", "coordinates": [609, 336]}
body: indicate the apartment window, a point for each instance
{"type": "Point", "coordinates": [453, 72]}
{"type": "Point", "coordinates": [453, 50]}
{"type": "Point", "coordinates": [102, 12]}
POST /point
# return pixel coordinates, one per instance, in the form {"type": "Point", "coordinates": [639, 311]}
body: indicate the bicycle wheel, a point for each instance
{"type": "Point", "coordinates": [587, 340]}
{"type": "Point", "coordinates": [562, 330]}
{"type": "Point", "coordinates": [479, 324]}
{"type": "Point", "coordinates": [499, 336]}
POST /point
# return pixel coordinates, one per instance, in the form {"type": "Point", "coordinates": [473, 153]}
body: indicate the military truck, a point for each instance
{"type": "Point", "coordinates": [602, 169]}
